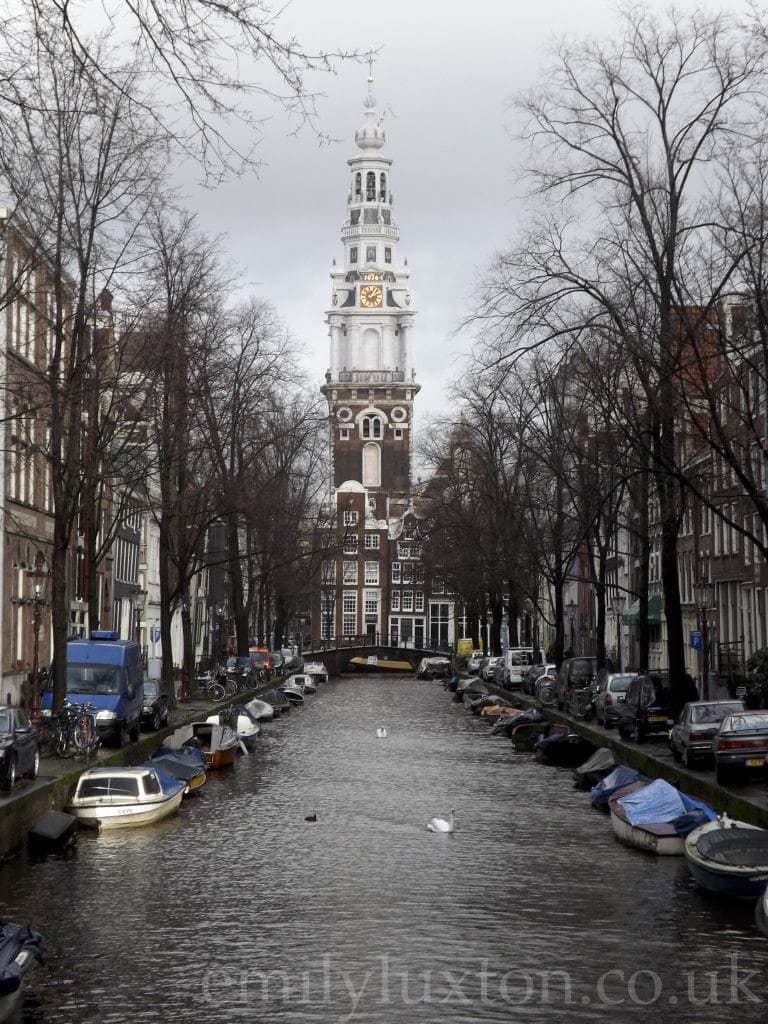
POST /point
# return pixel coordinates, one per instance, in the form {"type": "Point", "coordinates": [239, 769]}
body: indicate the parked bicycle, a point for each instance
{"type": "Point", "coordinates": [72, 732]}
{"type": "Point", "coordinates": [209, 687]}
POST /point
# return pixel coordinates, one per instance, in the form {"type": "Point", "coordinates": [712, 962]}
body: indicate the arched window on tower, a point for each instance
{"type": "Point", "coordinates": [372, 427]}
{"type": "Point", "coordinates": [358, 184]}
{"type": "Point", "coordinates": [383, 188]}
{"type": "Point", "coordinates": [371, 465]}
{"type": "Point", "coordinates": [370, 185]}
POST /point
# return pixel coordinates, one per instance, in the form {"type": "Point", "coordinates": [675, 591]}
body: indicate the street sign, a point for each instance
{"type": "Point", "coordinates": [696, 641]}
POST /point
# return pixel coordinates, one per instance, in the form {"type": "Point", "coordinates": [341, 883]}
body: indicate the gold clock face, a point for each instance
{"type": "Point", "coordinates": [370, 296]}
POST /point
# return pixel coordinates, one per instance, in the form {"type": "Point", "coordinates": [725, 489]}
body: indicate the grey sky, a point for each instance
{"type": "Point", "coordinates": [446, 71]}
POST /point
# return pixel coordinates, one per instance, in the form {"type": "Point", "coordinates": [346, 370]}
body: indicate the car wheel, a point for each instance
{"type": "Point", "coordinates": [636, 734]}
{"type": "Point", "coordinates": [35, 765]}
{"type": "Point", "coordinates": [10, 776]}
{"type": "Point", "coordinates": [155, 721]}
{"type": "Point", "coordinates": [166, 715]}
{"type": "Point", "coordinates": [688, 761]}
{"type": "Point", "coordinates": [133, 732]}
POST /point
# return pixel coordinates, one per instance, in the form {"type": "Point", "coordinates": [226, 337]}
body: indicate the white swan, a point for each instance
{"type": "Point", "coordinates": [381, 732]}
{"type": "Point", "coordinates": [441, 825]}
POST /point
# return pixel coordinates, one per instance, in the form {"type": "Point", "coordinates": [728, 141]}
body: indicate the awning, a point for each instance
{"type": "Point", "coordinates": [632, 615]}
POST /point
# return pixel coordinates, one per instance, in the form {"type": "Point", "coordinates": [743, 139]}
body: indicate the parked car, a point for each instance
{"type": "Point", "coordinates": [517, 661]}
{"type": "Point", "coordinates": [278, 661]}
{"type": "Point", "coordinates": [473, 665]}
{"type": "Point", "coordinates": [611, 690]}
{"type": "Point", "coordinates": [545, 690]}
{"type": "Point", "coordinates": [488, 668]}
{"type": "Point", "coordinates": [573, 674]}
{"type": "Point", "coordinates": [19, 747]}
{"type": "Point", "coordinates": [534, 672]}
{"type": "Point", "coordinates": [154, 711]}
{"type": "Point", "coordinates": [690, 738]}
{"type": "Point", "coordinates": [261, 661]}
{"type": "Point", "coordinates": [647, 707]}
{"type": "Point", "coordinates": [290, 657]}
{"type": "Point", "coordinates": [741, 744]}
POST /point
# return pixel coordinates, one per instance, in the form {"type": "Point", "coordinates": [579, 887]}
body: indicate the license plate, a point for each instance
{"type": "Point", "coordinates": [657, 718]}
{"type": "Point", "coordinates": [755, 762]}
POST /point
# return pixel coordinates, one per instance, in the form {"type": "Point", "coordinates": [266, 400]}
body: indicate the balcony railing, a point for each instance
{"type": "Point", "coordinates": [357, 230]}
{"type": "Point", "coordinates": [371, 376]}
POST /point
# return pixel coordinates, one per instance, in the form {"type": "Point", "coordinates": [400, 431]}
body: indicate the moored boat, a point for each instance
{"type": "Point", "coordinates": [107, 798]}
{"type": "Point", "coordinates": [260, 710]}
{"type": "Point", "coordinates": [293, 693]}
{"type": "Point", "coordinates": [595, 768]}
{"type": "Point", "coordinates": [218, 743]}
{"type": "Point", "coordinates": [729, 857]}
{"type": "Point", "coordinates": [187, 764]}
{"type": "Point", "coordinates": [563, 748]}
{"type": "Point", "coordinates": [619, 779]}
{"type": "Point", "coordinates": [434, 668]}
{"type": "Point", "coordinates": [375, 664]}
{"type": "Point", "coordinates": [240, 722]}
{"type": "Point", "coordinates": [317, 671]}
{"type": "Point", "coordinates": [656, 818]}
{"type": "Point", "coordinates": [20, 947]}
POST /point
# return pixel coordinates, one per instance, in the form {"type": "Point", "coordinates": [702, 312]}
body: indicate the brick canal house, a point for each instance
{"type": "Point", "coordinates": [373, 582]}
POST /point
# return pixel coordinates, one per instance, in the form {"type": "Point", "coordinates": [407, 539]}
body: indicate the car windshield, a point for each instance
{"type": "Point", "coordinates": [620, 684]}
{"type": "Point", "coordinates": [5, 721]}
{"type": "Point", "coordinates": [582, 669]}
{"type": "Point", "coordinates": [93, 678]}
{"type": "Point", "coordinates": [747, 723]}
{"type": "Point", "coordinates": [150, 688]}
{"type": "Point", "coordinates": [713, 712]}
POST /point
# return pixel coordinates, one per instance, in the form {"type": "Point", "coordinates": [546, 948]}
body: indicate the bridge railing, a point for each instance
{"type": "Point", "coordinates": [375, 640]}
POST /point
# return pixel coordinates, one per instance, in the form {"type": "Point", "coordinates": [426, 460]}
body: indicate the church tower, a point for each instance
{"type": "Point", "coordinates": [370, 385]}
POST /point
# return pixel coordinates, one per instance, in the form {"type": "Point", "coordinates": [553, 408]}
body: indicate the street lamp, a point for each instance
{"type": "Point", "coordinates": [617, 606]}
{"type": "Point", "coordinates": [38, 578]}
{"type": "Point", "coordinates": [704, 596]}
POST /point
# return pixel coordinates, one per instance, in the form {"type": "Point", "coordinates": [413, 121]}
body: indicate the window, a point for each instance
{"type": "Point", "coordinates": [371, 427]}
{"type": "Point", "coordinates": [419, 601]}
{"type": "Point", "coordinates": [407, 600]}
{"type": "Point", "coordinates": [328, 572]}
{"type": "Point", "coordinates": [372, 573]}
{"type": "Point", "coordinates": [349, 613]}
{"type": "Point", "coordinates": [383, 187]}
{"type": "Point", "coordinates": [438, 587]}
{"type": "Point", "coordinates": [370, 185]}
{"type": "Point", "coordinates": [372, 541]}
{"type": "Point", "coordinates": [358, 184]}
{"type": "Point", "coordinates": [398, 433]}
{"type": "Point", "coordinates": [353, 254]}
{"type": "Point", "coordinates": [404, 550]}
{"type": "Point", "coordinates": [387, 254]}
{"type": "Point", "coordinates": [327, 615]}
{"type": "Point", "coordinates": [350, 544]}
{"type": "Point", "coordinates": [370, 216]}
{"type": "Point", "coordinates": [354, 217]}
{"type": "Point", "coordinates": [371, 604]}
{"type": "Point", "coordinates": [386, 217]}
{"type": "Point", "coordinates": [350, 517]}
{"type": "Point", "coordinates": [350, 573]}
{"type": "Point", "coordinates": [395, 600]}
{"type": "Point", "coordinates": [395, 572]}
{"type": "Point", "coordinates": [344, 433]}
{"type": "Point", "coordinates": [370, 254]}
{"type": "Point", "coordinates": [371, 465]}
{"type": "Point", "coordinates": [408, 575]}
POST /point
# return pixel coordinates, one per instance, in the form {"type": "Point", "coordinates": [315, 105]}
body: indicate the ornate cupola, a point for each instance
{"type": "Point", "coordinates": [370, 384]}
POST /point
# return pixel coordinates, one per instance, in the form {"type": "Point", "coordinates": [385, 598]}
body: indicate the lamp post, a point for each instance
{"type": "Point", "coordinates": [38, 578]}
{"type": "Point", "coordinates": [617, 606]}
{"type": "Point", "coordinates": [703, 595]}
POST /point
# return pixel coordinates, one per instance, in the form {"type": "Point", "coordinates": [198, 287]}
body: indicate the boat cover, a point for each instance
{"type": "Point", "coordinates": [275, 698]}
{"type": "Point", "coordinates": [602, 760]}
{"type": "Point", "coordinates": [736, 847]}
{"type": "Point", "coordinates": [14, 939]}
{"type": "Point", "coordinates": [660, 802]}
{"type": "Point", "coordinates": [259, 709]}
{"type": "Point", "coordinates": [182, 764]}
{"type": "Point", "coordinates": [620, 777]}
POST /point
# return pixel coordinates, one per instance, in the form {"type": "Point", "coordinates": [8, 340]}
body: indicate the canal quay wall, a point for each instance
{"type": "Point", "coordinates": [656, 762]}
{"type": "Point", "coordinates": [51, 791]}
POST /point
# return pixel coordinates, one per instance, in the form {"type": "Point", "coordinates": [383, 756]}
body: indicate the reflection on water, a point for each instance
{"type": "Point", "coordinates": [240, 910]}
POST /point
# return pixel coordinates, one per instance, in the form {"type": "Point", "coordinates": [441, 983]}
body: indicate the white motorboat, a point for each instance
{"type": "Point", "coordinates": [729, 857]}
{"type": "Point", "coordinates": [260, 710]}
{"type": "Point", "coordinates": [293, 693]}
{"type": "Point", "coordinates": [304, 682]}
{"type": "Point", "coordinates": [317, 671]}
{"type": "Point", "coordinates": [646, 818]}
{"type": "Point", "coordinates": [19, 949]}
{"type": "Point", "coordinates": [245, 726]}
{"type": "Point", "coordinates": [123, 797]}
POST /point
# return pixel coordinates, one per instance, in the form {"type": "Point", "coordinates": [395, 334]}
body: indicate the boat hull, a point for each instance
{"type": "Point", "coordinates": [651, 839]}
{"type": "Point", "coordinates": [737, 881]}
{"type": "Point", "coordinates": [380, 665]}
{"type": "Point", "coordinates": [127, 815]}
{"type": "Point", "coordinates": [221, 758]}
{"type": "Point", "coordinates": [10, 1000]}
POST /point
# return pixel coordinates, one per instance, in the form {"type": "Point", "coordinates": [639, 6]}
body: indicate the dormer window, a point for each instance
{"type": "Point", "coordinates": [371, 427]}
{"type": "Point", "coordinates": [370, 185]}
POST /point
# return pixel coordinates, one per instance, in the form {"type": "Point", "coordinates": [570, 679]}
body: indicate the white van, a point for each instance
{"type": "Point", "coordinates": [517, 661]}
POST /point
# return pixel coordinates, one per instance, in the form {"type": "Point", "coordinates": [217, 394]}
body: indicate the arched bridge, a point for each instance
{"type": "Point", "coordinates": [337, 654]}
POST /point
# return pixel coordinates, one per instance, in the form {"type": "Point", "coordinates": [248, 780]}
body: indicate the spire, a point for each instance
{"type": "Point", "coordinates": [371, 135]}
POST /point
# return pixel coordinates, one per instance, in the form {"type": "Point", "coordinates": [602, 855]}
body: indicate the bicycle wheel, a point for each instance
{"type": "Point", "coordinates": [216, 691]}
{"type": "Point", "coordinates": [60, 741]}
{"type": "Point", "coordinates": [230, 688]}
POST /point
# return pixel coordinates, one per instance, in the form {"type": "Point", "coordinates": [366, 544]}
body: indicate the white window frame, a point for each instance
{"type": "Point", "coordinates": [396, 567]}
{"type": "Point", "coordinates": [349, 613]}
{"type": "Point", "coordinates": [371, 577]}
{"type": "Point", "coordinates": [350, 517]}
{"type": "Point", "coordinates": [407, 600]}
{"type": "Point", "coordinates": [372, 542]}
{"type": "Point", "coordinates": [349, 573]}
{"type": "Point", "coordinates": [395, 601]}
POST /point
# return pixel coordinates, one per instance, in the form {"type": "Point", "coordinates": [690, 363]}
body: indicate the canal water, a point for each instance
{"type": "Point", "coordinates": [240, 910]}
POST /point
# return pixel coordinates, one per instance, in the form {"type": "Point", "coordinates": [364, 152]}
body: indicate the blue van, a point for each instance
{"type": "Point", "coordinates": [106, 672]}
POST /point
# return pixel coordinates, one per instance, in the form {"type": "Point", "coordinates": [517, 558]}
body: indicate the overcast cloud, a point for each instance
{"type": "Point", "coordinates": [446, 71]}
